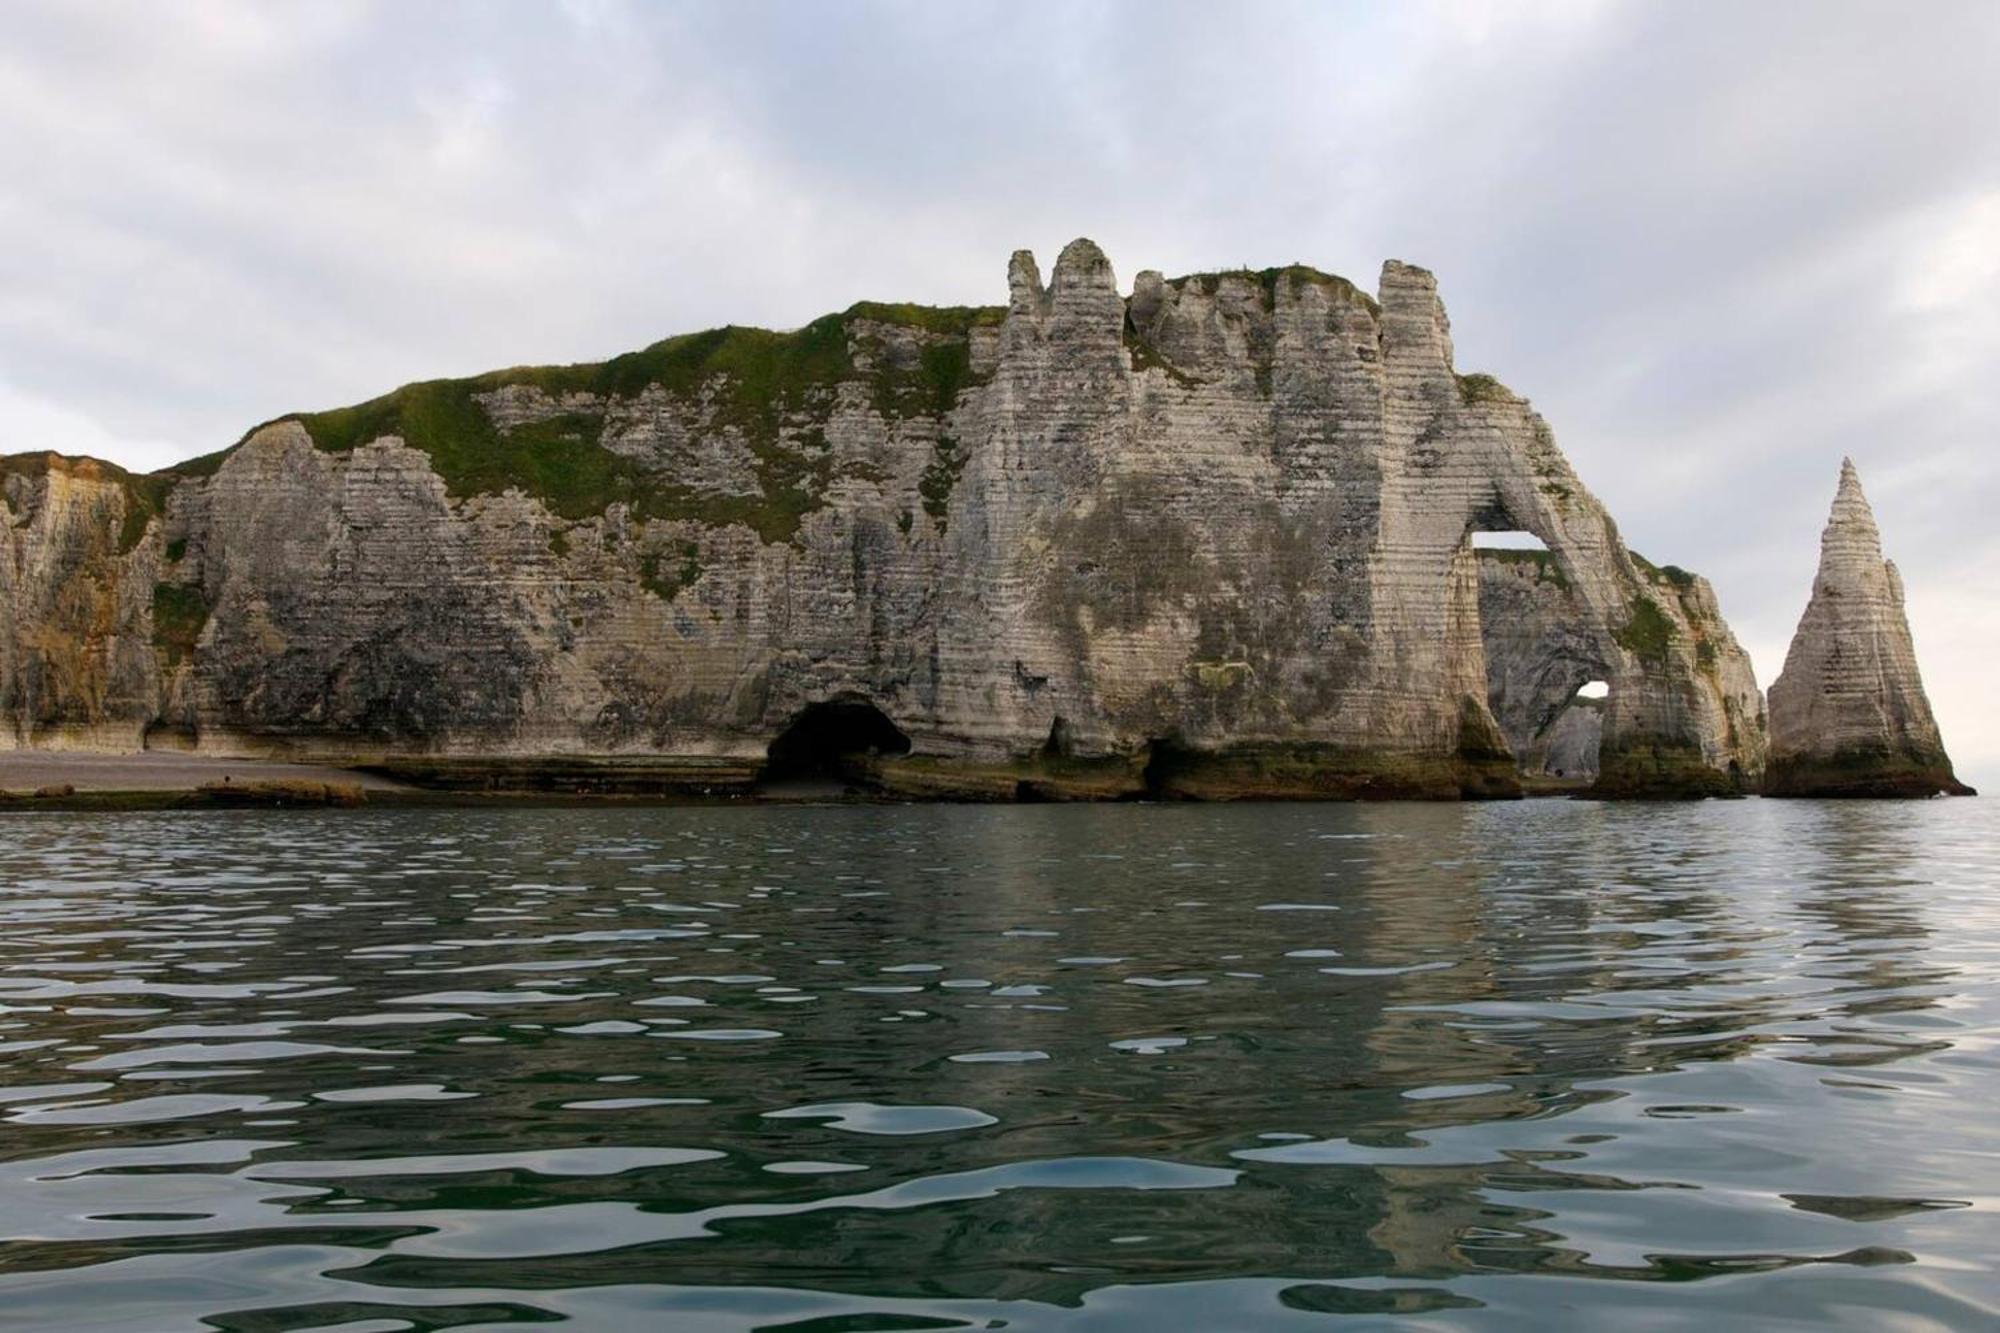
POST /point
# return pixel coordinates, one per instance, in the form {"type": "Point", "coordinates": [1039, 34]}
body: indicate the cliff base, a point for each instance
{"type": "Point", "coordinates": [1879, 773]}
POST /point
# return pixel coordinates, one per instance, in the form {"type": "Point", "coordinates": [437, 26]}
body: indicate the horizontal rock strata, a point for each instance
{"type": "Point", "coordinates": [1211, 540]}
{"type": "Point", "coordinates": [1849, 716]}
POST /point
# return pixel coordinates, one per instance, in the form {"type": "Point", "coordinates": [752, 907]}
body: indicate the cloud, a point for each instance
{"type": "Point", "coordinates": [1719, 245]}
{"type": "Point", "coordinates": [29, 422]}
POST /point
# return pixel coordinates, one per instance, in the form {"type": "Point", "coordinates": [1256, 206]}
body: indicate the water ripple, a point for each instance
{"type": "Point", "coordinates": [1104, 1067]}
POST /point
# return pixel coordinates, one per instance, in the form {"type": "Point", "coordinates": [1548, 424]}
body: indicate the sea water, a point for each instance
{"type": "Point", "coordinates": [1554, 1064]}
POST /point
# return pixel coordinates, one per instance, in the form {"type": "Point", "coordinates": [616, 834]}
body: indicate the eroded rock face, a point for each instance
{"type": "Point", "coordinates": [78, 665]}
{"type": "Point", "coordinates": [1848, 714]}
{"type": "Point", "coordinates": [1542, 645]}
{"type": "Point", "coordinates": [1212, 540]}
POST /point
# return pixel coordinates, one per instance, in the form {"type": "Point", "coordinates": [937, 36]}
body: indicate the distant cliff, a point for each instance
{"type": "Point", "coordinates": [1214, 539]}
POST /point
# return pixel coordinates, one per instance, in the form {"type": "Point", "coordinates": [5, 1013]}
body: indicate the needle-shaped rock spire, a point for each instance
{"type": "Point", "coordinates": [1848, 713]}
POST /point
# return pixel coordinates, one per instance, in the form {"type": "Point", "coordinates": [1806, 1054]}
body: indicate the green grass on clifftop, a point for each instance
{"type": "Point", "coordinates": [772, 391]}
{"type": "Point", "coordinates": [769, 389]}
{"type": "Point", "coordinates": [1673, 574]}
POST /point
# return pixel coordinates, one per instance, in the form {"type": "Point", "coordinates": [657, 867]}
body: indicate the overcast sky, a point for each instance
{"type": "Point", "coordinates": [1718, 244]}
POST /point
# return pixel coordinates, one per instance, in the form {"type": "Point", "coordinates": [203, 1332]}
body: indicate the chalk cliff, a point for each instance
{"type": "Point", "coordinates": [1848, 714]}
{"type": "Point", "coordinates": [1212, 539]}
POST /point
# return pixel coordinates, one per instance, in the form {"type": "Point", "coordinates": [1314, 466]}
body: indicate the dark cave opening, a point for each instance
{"type": "Point", "coordinates": [826, 739]}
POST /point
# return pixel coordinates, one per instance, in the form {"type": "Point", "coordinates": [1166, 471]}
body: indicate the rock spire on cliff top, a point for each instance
{"type": "Point", "coordinates": [1848, 713]}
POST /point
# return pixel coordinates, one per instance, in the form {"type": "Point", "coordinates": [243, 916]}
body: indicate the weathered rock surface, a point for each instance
{"type": "Point", "coordinates": [1542, 645]}
{"type": "Point", "coordinates": [1570, 745]}
{"type": "Point", "coordinates": [1212, 540]}
{"type": "Point", "coordinates": [1848, 714]}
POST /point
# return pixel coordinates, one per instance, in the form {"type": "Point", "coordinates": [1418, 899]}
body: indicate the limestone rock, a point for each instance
{"type": "Point", "coordinates": [1848, 714]}
{"type": "Point", "coordinates": [1573, 740]}
{"type": "Point", "coordinates": [1213, 540]}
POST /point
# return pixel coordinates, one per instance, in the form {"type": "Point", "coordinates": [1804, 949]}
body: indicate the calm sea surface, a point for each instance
{"type": "Point", "coordinates": [1541, 1065]}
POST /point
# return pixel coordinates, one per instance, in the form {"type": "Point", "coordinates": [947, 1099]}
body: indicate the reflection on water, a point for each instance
{"type": "Point", "coordinates": [1027, 1067]}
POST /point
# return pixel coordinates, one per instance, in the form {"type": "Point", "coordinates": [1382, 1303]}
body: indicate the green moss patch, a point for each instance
{"type": "Point", "coordinates": [758, 378]}
{"type": "Point", "coordinates": [1306, 771]}
{"type": "Point", "coordinates": [770, 390]}
{"type": "Point", "coordinates": [1669, 574]}
{"type": "Point", "coordinates": [951, 320]}
{"type": "Point", "coordinates": [1652, 770]}
{"type": "Point", "coordinates": [1876, 771]}
{"type": "Point", "coordinates": [179, 614]}
{"type": "Point", "coordinates": [1648, 634]}
{"type": "Point", "coordinates": [1482, 388]}
{"type": "Point", "coordinates": [666, 573]}
{"type": "Point", "coordinates": [931, 387]}
{"type": "Point", "coordinates": [1145, 356]}
{"type": "Point", "coordinates": [941, 478]}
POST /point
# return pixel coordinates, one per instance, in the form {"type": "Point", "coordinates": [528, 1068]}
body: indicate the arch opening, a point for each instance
{"type": "Point", "coordinates": [1513, 540]}
{"type": "Point", "coordinates": [832, 741]}
{"type": "Point", "coordinates": [1569, 744]}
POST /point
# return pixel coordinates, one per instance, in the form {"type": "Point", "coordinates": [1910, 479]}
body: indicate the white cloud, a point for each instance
{"type": "Point", "coordinates": [29, 424]}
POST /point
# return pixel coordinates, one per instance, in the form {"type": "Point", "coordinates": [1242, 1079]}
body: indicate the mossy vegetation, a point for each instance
{"type": "Point", "coordinates": [1651, 770]}
{"type": "Point", "coordinates": [202, 466]}
{"type": "Point", "coordinates": [1670, 574]}
{"type": "Point", "coordinates": [931, 387]}
{"type": "Point", "coordinates": [640, 777]}
{"type": "Point", "coordinates": [950, 320]}
{"type": "Point", "coordinates": [941, 478]}
{"type": "Point", "coordinates": [179, 614]}
{"type": "Point", "coordinates": [1648, 634]}
{"type": "Point", "coordinates": [1865, 771]}
{"type": "Point", "coordinates": [1145, 356]}
{"type": "Point", "coordinates": [1307, 771]}
{"type": "Point", "coordinates": [769, 390]}
{"type": "Point", "coordinates": [1031, 778]}
{"type": "Point", "coordinates": [1482, 388]}
{"type": "Point", "coordinates": [665, 573]}
{"type": "Point", "coordinates": [145, 500]}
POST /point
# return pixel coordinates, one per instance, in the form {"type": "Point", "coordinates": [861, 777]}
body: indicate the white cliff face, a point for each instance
{"type": "Point", "coordinates": [78, 668]}
{"type": "Point", "coordinates": [1848, 713]}
{"type": "Point", "coordinates": [1214, 539]}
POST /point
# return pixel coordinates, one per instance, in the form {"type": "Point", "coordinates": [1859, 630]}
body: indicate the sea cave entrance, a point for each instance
{"type": "Point", "coordinates": [830, 742]}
